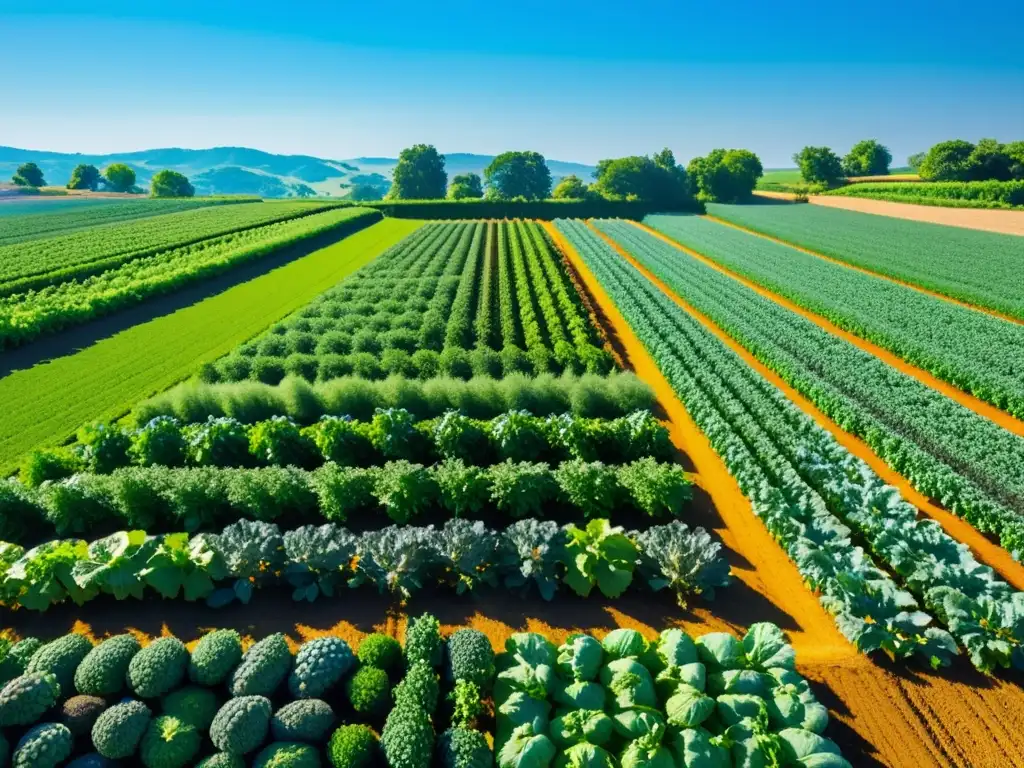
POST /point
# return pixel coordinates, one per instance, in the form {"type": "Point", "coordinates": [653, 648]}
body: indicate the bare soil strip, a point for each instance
{"type": "Point", "coordinates": [990, 412]}
{"type": "Point", "coordinates": [987, 551]}
{"type": "Point", "coordinates": [847, 265]}
{"type": "Point", "coordinates": [989, 220]}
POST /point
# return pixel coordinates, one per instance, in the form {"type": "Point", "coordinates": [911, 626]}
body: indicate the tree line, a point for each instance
{"type": "Point", "coordinates": [725, 175]}
{"type": "Point", "coordinates": [955, 160]}
{"type": "Point", "coordinates": [118, 177]}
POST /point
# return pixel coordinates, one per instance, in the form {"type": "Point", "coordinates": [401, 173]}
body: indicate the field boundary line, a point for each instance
{"type": "Point", "coordinates": [967, 400]}
{"type": "Point", "coordinates": [818, 639]}
{"type": "Point", "coordinates": [866, 271]}
{"type": "Point", "coordinates": [987, 552]}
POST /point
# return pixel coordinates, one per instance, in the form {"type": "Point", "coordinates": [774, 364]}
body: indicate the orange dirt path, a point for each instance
{"type": "Point", "coordinates": [980, 407]}
{"type": "Point", "coordinates": [864, 270]}
{"type": "Point", "coordinates": [990, 220]}
{"type": "Point", "coordinates": [986, 551]}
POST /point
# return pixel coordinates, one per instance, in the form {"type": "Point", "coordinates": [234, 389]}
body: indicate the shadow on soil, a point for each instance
{"type": "Point", "coordinates": [73, 340]}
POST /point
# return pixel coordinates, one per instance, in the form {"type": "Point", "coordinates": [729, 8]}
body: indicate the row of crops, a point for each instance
{"type": "Point", "coordinates": [983, 356]}
{"type": "Point", "coordinates": [97, 212]}
{"type": "Point", "coordinates": [981, 268]}
{"type": "Point", "coordinates": [76, 300]}
{"type": "Point", "coordinates": [946, 451]}
{"type": "Point", "coordinates": [712, 702]}
{"type": "Point", "coordinates": [893, 583]}
{"type": "Point", "coordinates": [455, 299]}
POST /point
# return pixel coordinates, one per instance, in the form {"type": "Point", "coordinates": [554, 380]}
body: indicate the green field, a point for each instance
{"type": "Point", "coordinates": [46, 404]}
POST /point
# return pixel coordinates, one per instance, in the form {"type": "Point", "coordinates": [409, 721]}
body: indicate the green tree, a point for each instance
{"type": "Point", "coordinates": [819, 165]}
{"type": "Point", "coordinates": [84, 177]}
{"type": "Point", "coordinates": [518, 174]}
{"type": "Point", "coordinates": [466, 185]}
{"type": "Point", "coordinates": [641, 178]}
{"type": "Point", "coordinates": [571, 188]}
{"type": "Point", "coordinates": [725, 175]}
{"type": "Point", "coordinates": [915, 160]}
{"type": "Point", "coordinates": [948, 161]}
{"type": "Point", "coordinates": [364, 192]}
{"type": "Point", "coordinates": [121, 178]}
{"type": "Point", "coordinates": [989, 160]}
{"type": "Point", "coordinates": [419, 175]}
{"type": "Point", "coordinates": [867, 158]}
{"type": "Point", "coordinates": [1015, 151]}
{"type": "Point", "coordinates": [29, 175]}
{"type": "Point", "coordinates": [170, 184]}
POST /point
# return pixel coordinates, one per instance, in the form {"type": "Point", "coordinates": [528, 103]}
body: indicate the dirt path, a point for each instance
{"type": "Point", "coordinates": [985, 550]}
{"type": "Point", "coordinates": [854, 267]}
{"type": "Point", "coordinates": [1002, 222]}
{"type": "Point", "coordinates": [980, 407]}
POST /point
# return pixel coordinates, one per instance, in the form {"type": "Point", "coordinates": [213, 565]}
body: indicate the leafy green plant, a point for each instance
{"type": "Point", "coordinates": [278, 441]}
{"type": "Point", "coordinates": [218, 442]}
{"type": "Point", "coordinates": [518, 436]}
{"type": "Point", "coordinates": [393, 434]}
{"type": "Point", "coordinates": [599, 555]}
{"type": "Point", "coordinates": [655, 488]}
{"type": "Point", "coordinates": [459, 437]}
{"type": "Point", "coordinates": [319, 558]}
{"type": "Point", "coordinates": [463, 489]}
{"type": "Point", "coordinates": [343, 441]}
{"type": "Point", "coordinates": [522, 489]}
{"type": "Point", "coordinates": [590, 486]}
{"type": "Point", "coordinates": [43, 576]}
{"type": "Point", "coordinates": [687, 562]}
{"type": "Point", "coordinates": [535, 550]}
{"type": "Point", "coordinates": [397, 560]}
{"type": "Point", "coordinates": [112, 564]}
{"type": "Point", "coordinates": [343, 490]}
{"type": "Point", "coordinates": [404, 490]}
{"type": "Point", "coordinates": [471, 551]}
{"type": "Point", "coordinates": [104, 447]}
{"type": "Point", "coordinates": [183, 565]}
{"type": "Point", "coordinates": [252, 552]}
{"type": "Point", "coordinates": [159, 442]}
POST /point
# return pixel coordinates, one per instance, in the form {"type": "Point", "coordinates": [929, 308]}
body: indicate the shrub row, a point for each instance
{"type": "Point", "coordinates": [980, 194]}
{"type": "Point", "coordinates": [545, 210]}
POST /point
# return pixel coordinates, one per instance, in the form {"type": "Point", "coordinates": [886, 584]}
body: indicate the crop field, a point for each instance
{"type": "Point", "coordinates": [507, 492]}
{"type": "Point", "coordinates": [979, 268]}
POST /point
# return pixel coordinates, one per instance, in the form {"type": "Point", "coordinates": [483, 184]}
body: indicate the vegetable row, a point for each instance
{"type": "Point", "coordinates": [162, 498]}
{"type": "Point", "coordinates": [89, 251]}
{"type": "Point", "coordinates": [975, 467]}
{"type": "Point", "coordinates": [981, 268]}
{"type": "Point", "coordinates": [445, 301]}
{"type": "Point", "coordinates": [25, 316]}
{"type": "Point", "coordinates": [400, 560]}
{"type": "Point", "coordinates": [976, 352]}
{"type": "Point", "coordinates": [392, 433]}
{"type": "Point", "coordinates": [817, 500]}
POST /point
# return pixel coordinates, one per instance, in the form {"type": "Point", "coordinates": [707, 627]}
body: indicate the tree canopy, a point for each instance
{"type": "Point", "coordinates": [170, 184]}
{"type": "Point", "coordinates": [419, 175]}
{"type": "Point", "coordinates": [518, 175]}
{"type": "Point", "coordinates": [867, 158]}
{"type": "Point", "coordinates": [725, 175]}
{"type": "Point", "coordinates": [819, 165]}
{"type": "Point", "coordinates": [465, 186]}
{"type": "Point", "coordinates": [29, 175]}
{"type": "Point", "coordinates": [948, 161]}
{"type": "Point", "coordinates": [84, 177]}
{"type": "Point", "coordinates": [915, 160]}
{"type": "Point", "coordinates": [959, 160]}
{"type": "Point", "coordinates": [120, 177]}
{"type": "Point", "coordinates": [570, 187]}
{"type": "Point", "coordinates": [659, 181]}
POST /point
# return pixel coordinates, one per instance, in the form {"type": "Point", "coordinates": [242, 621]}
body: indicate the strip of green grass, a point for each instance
{"type": "Point", "coordinates": [46, 404]}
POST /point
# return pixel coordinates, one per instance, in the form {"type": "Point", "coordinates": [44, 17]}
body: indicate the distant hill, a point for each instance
{"type": "Point", "coordinates": [240, 170]}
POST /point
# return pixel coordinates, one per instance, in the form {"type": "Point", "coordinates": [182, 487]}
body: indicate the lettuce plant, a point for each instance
{"type": "Point", "coordinates": [279, 442]}
{"type": "Point", "coordinates": [183, 565]}
{"type": "Point", "coordinates": [599, 556]}
{"type": "Point", "coordinates": [160, 441]}
{"type": "Point", "coordinates": [218, 442]}
{"type": "Point", "coordinates": [343, 441]}
{"type": "Point", "coordinates": [404, 490]}
{"type": "Point", "coordinates": [111, 564]}
{"type": "Point", "coordinates": [590, 486]}
{"type": "Point", "coordinates": [518, 436]}
{"type": "Point", "coordinates": [463, 489]}
{"type": "Point", "coordinates": [655, 488]}
{"type": "Point", "coordinates": [459, 437]}
{"type": "Point", "coordinates": [522, 489]}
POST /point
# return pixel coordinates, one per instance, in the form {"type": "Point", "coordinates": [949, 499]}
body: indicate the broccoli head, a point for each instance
{"type": "Point", "coordinates": [353, 746]}
{"type": "Point", "coordinates": [158, 668]}
{"type": "Point", "coordinates": [319, 665]}
{"type": "Point", "coordinates": [61, 657]}
{"type": "Point", "coordinates": [423, 641]}
{"type": "Point", "coordinates": [381, 651]}
{"type": "Point", "coordinates": [169, 743]}
{"type": "Point", "coordinates": [119, 729]}
{"type": "Point", "coordinates": [471, 658]}
{"type": "Point", "coordinates": [369, 691]}
{"type": "Point", "coordinates": [464, 748]}
{"type": "Point", "coordinates": [193, 705]}
{"type": "Point", "coordinates": [282, 754]}
{"type": "Point", "coordinates": [263, 667]}
{"type": "Point", "coordinates": [241, 725]}
{"type": "Point", "coordinates": [419, 687]}
{"type": "Point", "coordinates": [14, 657]}
{"type": "Point", "coordinates": [104, 669]}
{"type": "Point", "coordinates": [307, 720]}
{"type": "Point", "coordinates": [24, 699]}
{"type": "Point", "coordinates": [214, 656]}
{"type": "Point", "coordinates": [45, 746]}
{"type": "Point", "coordinates": [408, 737]}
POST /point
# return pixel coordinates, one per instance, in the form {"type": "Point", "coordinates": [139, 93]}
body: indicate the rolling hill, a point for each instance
{"type": "Point", "coordinates": [241, 170]}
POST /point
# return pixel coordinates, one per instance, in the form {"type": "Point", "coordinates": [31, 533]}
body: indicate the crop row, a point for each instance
{"type": "Point", "coordinates": [968, 194]}
{"type": "Point", "coordinates": [981, 268]}
{"type": "Point", "coordinates": [25, 316]}
{"type": "Point", "coordinates": [198, 498]}
{"type": "Point", "coordinates": [481, 397]}
{"type": "Point", "coordinates": [816, 499]}
{"type": "Point", "coordinates": [946, 451]}
{"type": "Point", "coordinates": [456, 299]}
{"type": "Point", "coordinates": [392, 433]}
{"type": "Point", "coordinates": [160, 705]}
{"type": "Point", "coordinates": [315, 561]}
{"type": "Point", "coordinates": [77, 255]}
{"type": "Point", "coordinates": [976, 352]}
{"type": "Point", "coordinates": [32, 226]}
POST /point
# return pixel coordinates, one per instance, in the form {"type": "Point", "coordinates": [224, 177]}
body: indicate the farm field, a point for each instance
{"type": "Point", "coordinates": [953, 194]}
{"type": "Point", "coordinates": [984, 358]}
{"type": "Point", "coordinates": [979, 268]}
{"type": "Point", "coordinates": [499, 490]}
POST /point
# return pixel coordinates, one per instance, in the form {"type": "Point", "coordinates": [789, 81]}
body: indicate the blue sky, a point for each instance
{"type": "Point", "coordinates": [574, 80]}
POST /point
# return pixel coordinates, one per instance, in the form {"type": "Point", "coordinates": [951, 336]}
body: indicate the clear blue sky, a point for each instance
{"type": "Point", "coordinates": [574, 80]}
